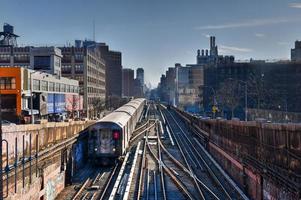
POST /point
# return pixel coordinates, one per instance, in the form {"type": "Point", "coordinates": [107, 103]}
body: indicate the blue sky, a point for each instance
{"type": "Point", "coordinates": [155, 34]}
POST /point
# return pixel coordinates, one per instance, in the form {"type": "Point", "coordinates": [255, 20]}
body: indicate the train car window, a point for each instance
{"type": "Point", "coordinates": [105, 134]}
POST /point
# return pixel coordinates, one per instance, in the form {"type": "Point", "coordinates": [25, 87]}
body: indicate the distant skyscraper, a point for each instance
{"type": "Point", "coordinates": [127, 82]}
{"type": "Point", "coordinates": [140, 75]}
{"type": "Point", "coordinates": [113, 61]}
{"type": "Point", "coordinates": [296, 52]}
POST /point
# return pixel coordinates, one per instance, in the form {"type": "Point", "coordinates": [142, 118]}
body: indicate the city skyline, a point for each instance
{"type": "Point", "coordinates": [154, 36]}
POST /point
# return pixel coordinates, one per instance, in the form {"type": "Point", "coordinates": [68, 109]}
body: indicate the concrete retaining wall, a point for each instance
{"type": "Point", "coordinates": [48, 174]}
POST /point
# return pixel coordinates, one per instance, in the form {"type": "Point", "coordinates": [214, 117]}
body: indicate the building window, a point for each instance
{"type": "Point", "coordinates": [7, 83]}
{"type": "Point", "coordinates": [63, 87]}
{"type": "Point", "coordinates": [57, 87]}
{"type": "Point", "coordinates": [36, 84]}
{"type": "Point", "coordinates": [51, 86]}
{"type": "Point", "coordinates": [79, 57]}
{"type": "Point", "coordinates": [67, 88]}
{"type": "Point", "coordinates": [66, 58]}
{"type": "Point", "coordinates": [42, 62]}
{"type": "Point", "coordinates": [79, 69]}
{"type": "Point", "coordinates": [44, 86]}
{"type": "Point", "coordinates": [66, 68]}
{"type": "Point", "coordinates": [21, 58]}
{"type": "Point", "coordinates": [5, 58]}
{"type": "Point", "coordinates": [72, 88]}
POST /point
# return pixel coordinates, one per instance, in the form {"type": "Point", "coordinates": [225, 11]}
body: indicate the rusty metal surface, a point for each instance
{"type": "Point", "coordinates": [273, 150]}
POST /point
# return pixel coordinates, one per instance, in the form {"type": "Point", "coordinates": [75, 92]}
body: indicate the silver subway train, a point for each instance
{"type": "Point", "coordinates": [109, 137]}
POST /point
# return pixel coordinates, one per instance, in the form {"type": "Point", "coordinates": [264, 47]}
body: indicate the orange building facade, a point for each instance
{"type": "Point", "coordinates": [11, 92]}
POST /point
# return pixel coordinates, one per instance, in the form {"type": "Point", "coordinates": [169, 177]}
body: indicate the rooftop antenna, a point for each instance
{"type": "Point", "coordinates": [94, 30]}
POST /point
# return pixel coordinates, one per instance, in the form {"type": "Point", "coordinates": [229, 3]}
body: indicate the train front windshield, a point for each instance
{"type": "Point", "coordinates": [106, 142]}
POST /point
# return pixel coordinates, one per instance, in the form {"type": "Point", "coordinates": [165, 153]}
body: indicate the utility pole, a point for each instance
{"type": "Point", "coordinates": [31, 99]}
{"type": "Point", "coordinates": [246, 101]}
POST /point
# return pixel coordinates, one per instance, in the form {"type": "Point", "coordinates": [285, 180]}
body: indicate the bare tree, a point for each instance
{"type": "Point", "coordinates": [98, 105]}
{"type": "Point", "coordinates": [257, 91]}
{"type": "Point", "coordinates": [228, 95]}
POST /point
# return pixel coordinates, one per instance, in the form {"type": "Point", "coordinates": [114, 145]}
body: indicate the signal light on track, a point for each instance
{"type": "Point", "coordinates": [115, 135]}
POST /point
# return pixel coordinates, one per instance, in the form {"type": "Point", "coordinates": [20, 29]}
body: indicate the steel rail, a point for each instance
{"type": "Point", "coordinates": [155, 185]}
{"type": "Point", "coordinates": [185, 160]}
{"type": "Point", "coordinates": [109, 180]}
{"type": "Point", "coordinates": [142, 166]}
{"type": "Point", "coordinates": [171, 175]}
{"type": "Point", "coordinates": [137, 135]}
{"type": "Point", "coordinates": [160, 169]}
{"type": "Point", "coordinates": [79, 192]}
{"type": "Point", "coordinates": [131, 176]}
{"type": "Point", "coordinates": [202, 158]}
{"type": "Point", "coordinates": [182, 167]}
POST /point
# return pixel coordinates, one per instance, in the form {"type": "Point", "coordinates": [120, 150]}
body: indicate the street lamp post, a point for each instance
{"type": "Point", "coordinates": [246, 101]}
{"type": "Point", "coordinates": [286, 112]}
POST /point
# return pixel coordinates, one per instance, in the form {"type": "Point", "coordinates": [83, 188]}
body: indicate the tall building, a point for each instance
{"type": "Point", "coordinates": [296, 52]}
{"type": "Point", "coordinates": [138, 89]}
{"type": "Point", "coordinates": [113, 61]}
{"type": "Point", "coordinates": [140, 75]}
{"type": "Point", "coordinates": [167, 86]}
{"type": "Point", "coordinates": [127, 82]}
{"type": "Point", "coordinates": [86, 65]}
{"type": "Point", "coordinates": [189, 79]}
{"type": "Point", "coordinates": [113, 67]}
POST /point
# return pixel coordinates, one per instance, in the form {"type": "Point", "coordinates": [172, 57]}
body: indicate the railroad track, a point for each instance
{"type": "Point", "coordinates": [169, 172]}
{"type": "Point", "coordinates": [93, 188]}
{"type": "Point", "coordinates": [211, 181]}
{"type": "Point", "coordinates": [155, 175]}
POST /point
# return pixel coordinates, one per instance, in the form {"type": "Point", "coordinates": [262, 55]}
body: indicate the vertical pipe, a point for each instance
{"type": "Point", "coordinates": [23, 161]}
{"type": "Point", "coordinates": [16, 162]}
{"type": "Point", "coordinates": [6, 171]}
{"type": "Point", "coordinates": [37, 153]}
{"type": "Point", "coordinates": [30, 158]}
{"type": "Point", "coordinates": [1, 177]}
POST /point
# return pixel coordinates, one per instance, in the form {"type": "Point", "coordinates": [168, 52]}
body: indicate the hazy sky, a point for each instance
{"type": "Point", "coordinates": [155, 34]}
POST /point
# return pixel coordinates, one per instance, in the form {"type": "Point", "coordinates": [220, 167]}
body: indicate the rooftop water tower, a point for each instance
{"type": "Point", "coordinates": [7, 37]}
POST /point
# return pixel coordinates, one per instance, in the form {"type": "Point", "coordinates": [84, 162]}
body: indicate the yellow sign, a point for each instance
{"type": "Point", "coordinates": [214, 109]}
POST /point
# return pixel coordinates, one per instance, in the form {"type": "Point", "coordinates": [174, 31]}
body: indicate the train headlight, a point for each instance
{"type": "Point", "coordinates": [114, 149]}
{"type": "Point", "coordinates": [95, 149]}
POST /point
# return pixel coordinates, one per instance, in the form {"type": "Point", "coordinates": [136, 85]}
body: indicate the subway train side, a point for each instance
{"type": "Point", "coordinates": [109, 137]}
